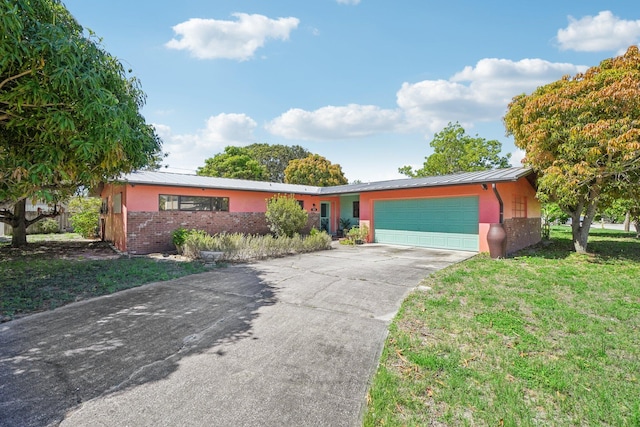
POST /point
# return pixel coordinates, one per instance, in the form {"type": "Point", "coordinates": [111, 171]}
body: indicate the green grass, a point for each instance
{"type": "Point", "coordinates": [547, 337]}
{"type": "Point", "coordinates": [34, 280]}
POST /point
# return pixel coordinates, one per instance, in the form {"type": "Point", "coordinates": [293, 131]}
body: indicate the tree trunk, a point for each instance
{"type": "Point", "coordinates": [627, 221]}
{"type": "Point", "coordinates": [580, 227]}
{"type": "Point", "coordinates": [19, 232]}
{"type": "Point", "coordinates": [580, 234]}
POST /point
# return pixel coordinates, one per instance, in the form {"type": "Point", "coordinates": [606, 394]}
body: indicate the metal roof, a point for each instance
{"type": "Point", "coordinates": [185, 180]}
{"type": "Point", "coordinates": [465, 178]}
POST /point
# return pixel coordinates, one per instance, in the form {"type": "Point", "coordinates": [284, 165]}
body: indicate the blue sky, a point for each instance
{"type": "Point", "coordinates": [365, 83]}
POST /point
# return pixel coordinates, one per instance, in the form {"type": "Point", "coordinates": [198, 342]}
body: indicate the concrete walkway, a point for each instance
{"type": "Point", "coordinates": [290, 341]}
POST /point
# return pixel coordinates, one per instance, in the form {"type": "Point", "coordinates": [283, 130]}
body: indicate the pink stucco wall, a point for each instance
{"type": "Point", "coordinates": [489, 208]}
{"type": "Point", "coordinates": [145, 198]}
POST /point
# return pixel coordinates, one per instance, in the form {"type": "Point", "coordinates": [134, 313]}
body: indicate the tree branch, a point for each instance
{"type": "Point", "coordinates": [6, 213]}
{"type": "Point", "coordinates": [42, 216]}
{"type": "Point", "coordinates": [35, 105]}
{"type": "Point", "coordinates": [17, 76]}
{"type": "Point", "coordinates": [7, 216]}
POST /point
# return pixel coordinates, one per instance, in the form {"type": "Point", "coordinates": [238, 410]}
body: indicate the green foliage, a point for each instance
{"type": "Point", "coordinates": [455, 151]}
{"type": "Point", "coordinates": [234, 162]}
{"type": "Point", "coordinates": [552, 213]}
{"type": "Point", "coordinates": [260, 162]}
{"type": "Point", "coordinates": [314, 170]}
{"type": "Point", "coordinates": [285, 216]}
{"type": "Point", "coordinates": [275, 158]}
{"type": "Point", "coordinates": [358, 234]}
{"type": "Point", "coordinates": [179, 236]}
{"type": "Point", "coordinates": [242, 247]}
{"type": "Point", "coordinates": [49, 226]}
{"type": "Point", "coordinates": [582, 136]}
{"type": "Point", "coordinates": [85, 215]}
{"type": "Point", "coordinates": [345, 224]}
{"type": "Point", "coordinates": [69, 114]}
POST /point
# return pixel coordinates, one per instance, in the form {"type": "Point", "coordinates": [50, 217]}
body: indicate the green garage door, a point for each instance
{"type": "Point", "coordinates": [447, 223]}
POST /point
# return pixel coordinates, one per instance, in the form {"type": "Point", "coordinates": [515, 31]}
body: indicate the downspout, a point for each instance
{"type": "Point", "coordinates": [497, 236]}
{"type": "Point", "coordinates": [495, 191]}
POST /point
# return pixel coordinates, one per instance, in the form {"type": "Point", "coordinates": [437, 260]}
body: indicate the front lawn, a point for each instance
{"type": "Point", "coordinates": [547, 337]}
{"type": "Point", "coordinates": [58, 269]}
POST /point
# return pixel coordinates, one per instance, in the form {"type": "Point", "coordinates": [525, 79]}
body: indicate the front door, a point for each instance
{"type": "Point", "coordinates": [325, 216]}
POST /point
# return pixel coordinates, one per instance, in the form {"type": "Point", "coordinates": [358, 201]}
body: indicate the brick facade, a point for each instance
{"type": "Point", "coordinates": [522, 232]}
{"type": "Point", "coordinates": [149, 232]}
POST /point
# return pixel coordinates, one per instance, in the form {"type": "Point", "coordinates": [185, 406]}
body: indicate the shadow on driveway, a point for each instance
{"type": "Point", "coordinates": [51, 362]}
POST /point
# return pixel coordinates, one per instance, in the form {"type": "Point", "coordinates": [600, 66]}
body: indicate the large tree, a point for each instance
{"type": "Point", "coordinates": [314, 170]}
{"type": "Point", "coordinates": [455, 151]}
{"type": "Point", "coordinates": [276, 157]}
{"type": "Point", "coordinates": [582, 135]}
{"type": "Point", "coordinates": [261, 162]}
{"type": "Point", "coordinates": [234, 162]}
{"type": "Point", "coordinates": [69, 114]}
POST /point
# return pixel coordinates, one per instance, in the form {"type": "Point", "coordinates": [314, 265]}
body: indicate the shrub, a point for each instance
{"type": "Point", "coordinates": [178, 237]}
{"type": "Point", "coordinates": [85, 215]}
{"type": "Point", "coordinates": [194, 241]}
{"type": "Point", "coordinates": [49, 226]}
{"type": "Point", "coordinates": [358, 235]}
{"type": "Point", "coordinates": [241, 247]}
{"type": "Point", "coordinates": [317, 242]}
{"type": "Point", "coordinates": [285, 216]}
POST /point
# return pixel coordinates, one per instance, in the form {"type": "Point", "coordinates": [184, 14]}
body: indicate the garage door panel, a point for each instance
{"type": "Point", "coordinates": [463, 242]}
{"type": "Point", "coordinates": [448, 223]}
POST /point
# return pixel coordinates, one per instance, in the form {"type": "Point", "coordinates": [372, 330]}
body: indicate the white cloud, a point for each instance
{"type": "Point", "coordinates": [480, 93]}
{"type": "Point", "coordinates": [188, 151]}
{"type": "Point", "coordinates": [212, 39]}
{"type": "Point", "coordinates": [604, 32]}
{"type": "Point", "coordinates": [354, 2]}
{"type": "Point", "coordinates": [330, 123]}
{"type": "Point", "coordinates": [516, 157]}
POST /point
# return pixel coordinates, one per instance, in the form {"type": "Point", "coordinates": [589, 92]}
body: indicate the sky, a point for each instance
{"type": "Point", "coordinates": [364, 83]}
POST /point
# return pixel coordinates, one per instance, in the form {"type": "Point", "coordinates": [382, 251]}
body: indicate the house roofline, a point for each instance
{"type": "Point", "coordinates": [155, 178]}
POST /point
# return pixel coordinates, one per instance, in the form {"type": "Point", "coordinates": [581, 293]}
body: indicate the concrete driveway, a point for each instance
{"type": "Point", "coordinates": [289, 341]}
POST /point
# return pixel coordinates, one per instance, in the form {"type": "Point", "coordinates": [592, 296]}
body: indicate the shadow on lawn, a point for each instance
{"type": "Point", "coordinates": [603, 245]}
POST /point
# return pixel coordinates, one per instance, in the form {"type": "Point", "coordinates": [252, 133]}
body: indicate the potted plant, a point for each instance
{"type": "Point", "coordinates": [344, 225]}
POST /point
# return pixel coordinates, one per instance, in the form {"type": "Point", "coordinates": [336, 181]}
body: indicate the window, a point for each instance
{"type": "Point", "coordinates": [301, 203]}
{"type": "Point", "coordinates": [104, 208]}
{"type": "Point", "coordinates": [519, 207]}
{"type": "Point", "coordinates": [168, 203]}
{"type": "Point", "coordinates": [193, 203]}
{"type": "Point", "coordinates": [117, 203]}
{"type": "Point", "coordinates": [356, 209]}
